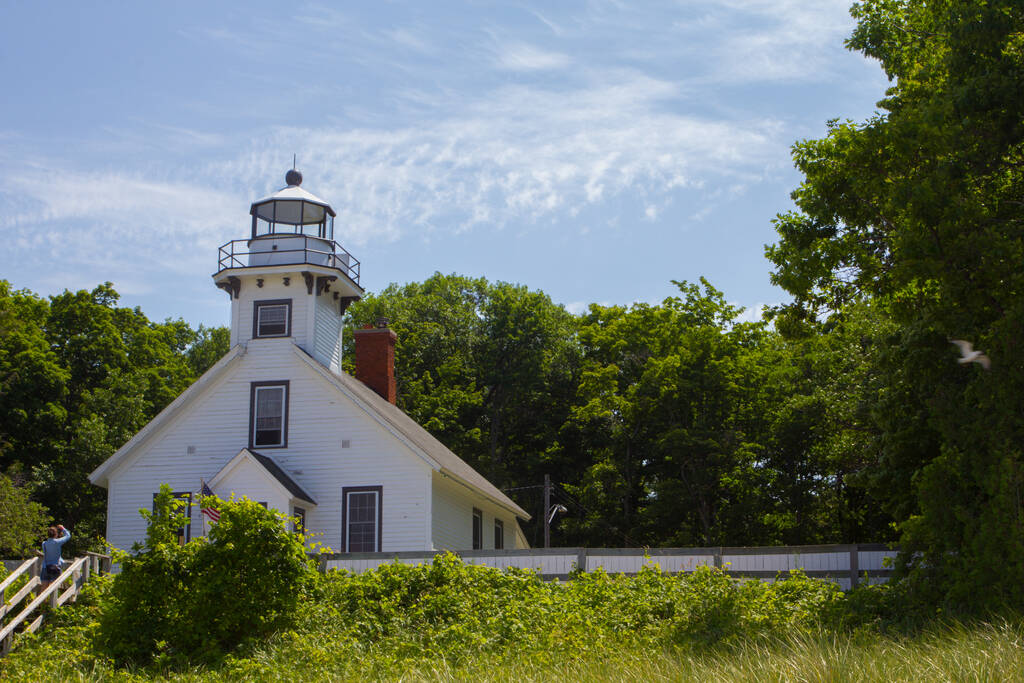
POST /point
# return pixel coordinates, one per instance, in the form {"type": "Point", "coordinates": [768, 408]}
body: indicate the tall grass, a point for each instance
{"type": "Point", "coordinates": [958, 652]}
{"type": "Point", "coordinates": [979, 652]}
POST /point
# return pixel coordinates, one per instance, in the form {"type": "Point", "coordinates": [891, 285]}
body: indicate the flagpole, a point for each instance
{"type": "Point", "coordinates": [202, 487]}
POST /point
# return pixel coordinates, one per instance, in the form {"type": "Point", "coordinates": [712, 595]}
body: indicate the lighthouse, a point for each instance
{"type": "Point", "coordinates": [276, 420]}
{"type": "Point", "coordinates": [289, 278]}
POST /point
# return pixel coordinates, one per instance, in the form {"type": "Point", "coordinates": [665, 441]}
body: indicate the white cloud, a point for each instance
{"type": "Point", "coordinates": [750, 314]}
{"type": "Point", "coordinates": [119, 222]}
{"type": "Point", "coordinates": [524, 57]}
{"type": "Point", "coordinates": [780, 39]}
{"type": "Point", "coordinates": [518, 154]}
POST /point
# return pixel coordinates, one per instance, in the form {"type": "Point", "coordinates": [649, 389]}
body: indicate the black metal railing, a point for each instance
{"type": "Point", "coordinates": [300, 249]}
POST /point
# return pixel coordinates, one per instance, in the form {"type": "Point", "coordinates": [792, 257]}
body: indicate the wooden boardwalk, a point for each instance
{"type": "Point", "coordinates": [64, 589]}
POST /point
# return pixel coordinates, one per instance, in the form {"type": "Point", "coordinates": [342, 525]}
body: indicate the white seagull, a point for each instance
{"type": "Point", "coordinates": [969, 355]}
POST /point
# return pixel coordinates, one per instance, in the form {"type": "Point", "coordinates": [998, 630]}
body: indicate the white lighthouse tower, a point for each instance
{"type": "Point", "coordinates": [276, 420]}
{"type": "Point", "coordinates": [289, 278]}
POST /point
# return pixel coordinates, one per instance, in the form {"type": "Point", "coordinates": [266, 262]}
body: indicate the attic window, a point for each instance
{"type": "Point", "coordinates": [268, 415]}
{"type": "Point", "coordinates": [272, 318]}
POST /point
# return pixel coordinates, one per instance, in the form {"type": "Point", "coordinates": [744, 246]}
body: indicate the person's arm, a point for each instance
{"type": "Point", "coordinates": [63, 539]}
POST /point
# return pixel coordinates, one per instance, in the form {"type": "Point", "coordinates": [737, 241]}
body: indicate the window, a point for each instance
{"type": "Point", "coordinates": [478, 529]}
{"type": "Point", "coordinates": [268, 415]}
{"type": "Point", "coordinates": [361, 519]}
{"type": "Point", "coordinates": [185, 532]}
{"type": "Point", "coordinates": [299, 521]}
{"type": "Point", "coordinates": [272, 318]}
{"type": "Point", "coordinates": [499, 535]}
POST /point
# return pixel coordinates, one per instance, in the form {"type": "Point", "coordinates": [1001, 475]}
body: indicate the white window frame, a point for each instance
{"type": "Point", "coordinates": [346, 526]}
{"type": "Point", "coordinates": [478, 529]}
{"type": "Point", "coordinates": [257, 311]}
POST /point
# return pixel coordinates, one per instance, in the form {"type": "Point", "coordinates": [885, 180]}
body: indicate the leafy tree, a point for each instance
{"type": "Point", "coordinates": [208, 346]}
{"type": "Point", "coordinates": [79, 376]}
{"type": "Point", "coordinates": [919, 209]}
{"type": "Point", "coordinates": [485, 367]}
{"type": "Point", "coordinates": [22, 521]}
{"type": "Point", "coordinates": [666, 403]}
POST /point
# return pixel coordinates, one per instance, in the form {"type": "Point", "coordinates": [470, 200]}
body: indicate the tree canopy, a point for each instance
{"type": "Point", "coordinates": [918, 209]}
{"type": "Point", "coordinates": [78, 377]}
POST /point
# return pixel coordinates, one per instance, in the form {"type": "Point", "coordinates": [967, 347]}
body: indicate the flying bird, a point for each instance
{"type": "Point", "coordinates": [969, 355]}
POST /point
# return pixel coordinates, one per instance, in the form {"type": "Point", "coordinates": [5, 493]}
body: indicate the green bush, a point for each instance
{"type": "Point", "coordinates": [203, 598]}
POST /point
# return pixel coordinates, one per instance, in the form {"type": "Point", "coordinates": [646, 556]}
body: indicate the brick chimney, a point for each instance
{"type": "Point", "coordinates": [375, 359]}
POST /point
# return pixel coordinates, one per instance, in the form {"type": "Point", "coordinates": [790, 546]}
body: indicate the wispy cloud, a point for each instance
{"type": "Point", "coordinates": [775, 40]}
{"type": "Point", "coordinates": [520, 154]}
{"type": "Point", "coordinates": [119, 219]}
{"type": "Point", "coordinates": [525, 57]}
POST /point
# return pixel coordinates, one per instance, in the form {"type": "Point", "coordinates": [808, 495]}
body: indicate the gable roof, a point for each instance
{"type": "Point", "coordinates": [275, 471]}
{"type": "Point", "coordinates": [418, 439]}
{"type": "Point", "coordinates": [414, 434]}
{"type": "Point", "coordinates": [99, 476]}
{"type": "Point", "coordinates": [269, 468]}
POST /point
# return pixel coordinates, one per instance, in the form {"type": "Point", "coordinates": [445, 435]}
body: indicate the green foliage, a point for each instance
{"type": "Point", "coordinates": [23, 521]}
{"type": "Point", "coordinates": [402, 621]}
{"type": "Point", "coordinates": [79, 376]}
{"type": "Point", "coordinates": [247, 580]}
{"type": "Point", "coordinates": [205, 597]}
{"type": "Point", "coordinates": [488, 368]}
{"type": "Point", "coordinates": [918, 209]}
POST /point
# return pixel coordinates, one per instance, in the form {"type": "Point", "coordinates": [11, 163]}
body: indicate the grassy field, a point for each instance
{"type": "Point", "coordinates": [982, 652]}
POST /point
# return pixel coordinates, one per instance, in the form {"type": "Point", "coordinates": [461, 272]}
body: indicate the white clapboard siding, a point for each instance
{"type": "Point", "coordinates": [216, 424]}
{"type": "Point", "coordinates": [452, 524]}
{"type": "Point", "coordinates": [327, 333]}
{"type": "Point", "coordinates": [273, 288]}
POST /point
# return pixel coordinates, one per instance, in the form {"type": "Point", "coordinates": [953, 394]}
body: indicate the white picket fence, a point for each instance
{"type": "Point", "coordinates": [847, 565]}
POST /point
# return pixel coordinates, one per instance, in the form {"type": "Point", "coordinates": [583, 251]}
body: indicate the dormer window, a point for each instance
{"type": "Point", "coordinates": [268, 415]}
{"type": "Point", "coordinates": [272, 318]}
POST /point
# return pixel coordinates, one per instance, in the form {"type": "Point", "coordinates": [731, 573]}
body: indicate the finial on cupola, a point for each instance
{"type": "Point", "coordinates": [293, 178]}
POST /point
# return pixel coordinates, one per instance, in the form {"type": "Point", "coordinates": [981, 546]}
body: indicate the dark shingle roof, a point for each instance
{"type": "Point", "coordinates": [282, 477]}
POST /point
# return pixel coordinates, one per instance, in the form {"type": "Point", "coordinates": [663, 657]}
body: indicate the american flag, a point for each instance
{"type": "Point", "coordinates": [211, 512]}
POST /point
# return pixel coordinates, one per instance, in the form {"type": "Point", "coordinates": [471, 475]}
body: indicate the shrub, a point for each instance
{"type": "Point", "coordinates": [204, 598]}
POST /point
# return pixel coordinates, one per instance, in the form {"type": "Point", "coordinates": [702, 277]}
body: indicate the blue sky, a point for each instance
{"type": "Point", "coordinates": [594, 150]}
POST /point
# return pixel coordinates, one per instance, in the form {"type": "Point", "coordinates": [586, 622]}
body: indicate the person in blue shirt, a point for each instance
{"type": "Point", "coordinates": [52, 561]}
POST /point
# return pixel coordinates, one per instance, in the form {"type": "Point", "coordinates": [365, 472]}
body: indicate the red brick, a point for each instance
{"type": "Point", "coordinates": [375, 361]}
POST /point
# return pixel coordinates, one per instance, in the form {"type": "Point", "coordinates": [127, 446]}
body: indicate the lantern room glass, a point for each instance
{"type": "Point", "coordinates": [292, 217]}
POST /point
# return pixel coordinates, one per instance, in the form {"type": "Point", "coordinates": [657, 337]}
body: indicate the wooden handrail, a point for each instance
{"type": "Point", "coordinates": [22, 568]}
{"type": "Point", "coordinates": [52, 593]}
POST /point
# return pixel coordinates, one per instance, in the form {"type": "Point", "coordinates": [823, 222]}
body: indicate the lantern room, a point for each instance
{"type": "Point", "coordinates": [292, 235]}
{"type": "Point", "coordinates": [292, 210]}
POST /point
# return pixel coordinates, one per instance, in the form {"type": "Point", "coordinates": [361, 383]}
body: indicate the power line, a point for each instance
{"type": "Point", "coordinates": [569, 498]}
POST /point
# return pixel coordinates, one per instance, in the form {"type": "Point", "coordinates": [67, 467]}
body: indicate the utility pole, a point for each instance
{"type": "Point", "coordinates": [547, 508]}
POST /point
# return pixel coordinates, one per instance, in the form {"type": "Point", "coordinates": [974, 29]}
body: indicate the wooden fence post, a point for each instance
{"type": "Point", "coordinates": [854, 565]}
